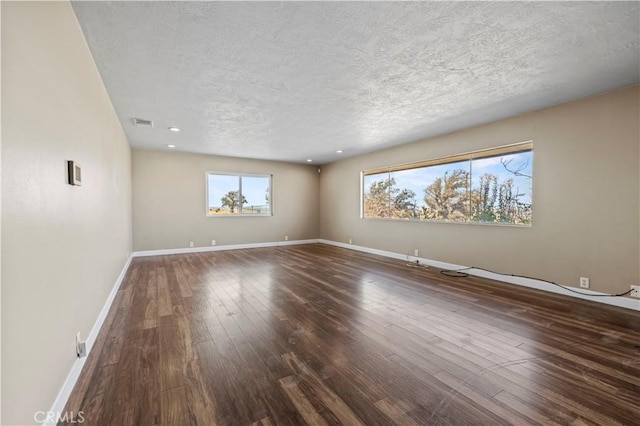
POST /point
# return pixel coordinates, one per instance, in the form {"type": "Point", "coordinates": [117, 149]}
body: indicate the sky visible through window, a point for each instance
{"type": "Point", "coordinates": [417, 179]}
{"type": "Point", "coordinates": [494, 166]}
{"type": "Point", "coordinates": [255, 191]}
{"type": "Point", "coordinates": [491, 189]}
{"type": "Point", "coordinates": [219, 186]}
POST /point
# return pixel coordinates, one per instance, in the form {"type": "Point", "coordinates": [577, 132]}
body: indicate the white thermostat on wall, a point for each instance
{"type": "Point", "coordinates": [75, 173]}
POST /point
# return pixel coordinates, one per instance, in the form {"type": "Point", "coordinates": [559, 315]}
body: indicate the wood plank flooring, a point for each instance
{"type": "Point", "coordinates": [315, 334]}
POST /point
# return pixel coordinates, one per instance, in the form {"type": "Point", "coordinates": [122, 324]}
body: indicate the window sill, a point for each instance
{"type": "Point", "coordinates": [449, 222]}
{"type": "Point", "coordinates": [239, 215]}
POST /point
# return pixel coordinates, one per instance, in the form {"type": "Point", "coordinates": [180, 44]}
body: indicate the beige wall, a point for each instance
{"type": "Point", "coordinates": [586, 192]}
{"type": "Point", "coordinates": [169, 202]}
{"type": "Point", "coordinates": [63, 247]}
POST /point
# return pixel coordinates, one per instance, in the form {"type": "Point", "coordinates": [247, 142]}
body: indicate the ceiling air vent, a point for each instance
{"type": "Point", "coordinates": [142, 123]}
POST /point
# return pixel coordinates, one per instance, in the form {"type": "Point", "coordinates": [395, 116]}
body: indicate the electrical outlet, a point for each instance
{"type": "Point", "coordinates": [81, 347]}
{"type": "Point", "coordinates": [213, 242]}
{"type": "Point", "coordinates": [286, 238]}
{"type": "Point", "coordinates": [350, 241]}
{"type": "Point", "coordinates": [584, 282]}
{"type": "Point", "coordinates": [190, 243]}
{"type": "Point", "coordinates": [415, 252]}
{"type": "Point", "coordinates": [635, 291]}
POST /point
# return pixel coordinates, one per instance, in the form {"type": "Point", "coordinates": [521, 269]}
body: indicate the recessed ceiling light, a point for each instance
{"type": "Point", "coordinates": [309, 160]}
{"type": "Point", "coordinates": [339, 151]}
{"type": "Point", "coordinates": [174, 129]}
{"type": "Point", "coordinates": [171, 146]}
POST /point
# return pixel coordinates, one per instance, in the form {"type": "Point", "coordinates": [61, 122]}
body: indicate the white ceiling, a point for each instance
{"type": "Point", "coordinates": [297, 80]}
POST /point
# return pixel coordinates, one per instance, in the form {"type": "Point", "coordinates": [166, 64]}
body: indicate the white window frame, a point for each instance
{"type": "Point", "coordinates": [239, 176]}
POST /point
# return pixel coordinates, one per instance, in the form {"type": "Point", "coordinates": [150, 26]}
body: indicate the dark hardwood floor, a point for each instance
{"type": "Point", "coordinates": [321, 335]}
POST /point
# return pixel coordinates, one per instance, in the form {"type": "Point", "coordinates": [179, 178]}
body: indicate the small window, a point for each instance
{"type": "Point", "coordinates": [489, 186]}
{"type": "Point", "coordinates": [238, 195]}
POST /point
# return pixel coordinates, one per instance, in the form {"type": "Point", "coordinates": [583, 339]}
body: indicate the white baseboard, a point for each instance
{"type": "Point", "coordinates": [622, 302]}
{"type": "Point", "coordinates": [220, 248]}
{"type": "Point", "coordinates": [74, 374]}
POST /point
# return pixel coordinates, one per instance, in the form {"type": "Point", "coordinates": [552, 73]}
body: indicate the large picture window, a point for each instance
{"type": "Point", "coordinates": [489, 186]}
{"type": "Point", "coordinates": [238, 194]}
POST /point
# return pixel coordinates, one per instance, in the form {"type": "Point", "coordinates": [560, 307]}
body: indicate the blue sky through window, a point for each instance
{"type": "Point", "coordinates": [493, 165]}
{"type": "Point", "coordinates": [255, 190]}
{"type": "Point", "coordinates": [219, 186]}
{"type": "Point", "coordinates": [504, 196]}
{"type": "Point", "coordinates": [418, 179]}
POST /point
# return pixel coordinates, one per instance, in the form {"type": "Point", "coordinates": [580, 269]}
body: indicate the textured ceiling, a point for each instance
{"type": "Point", "coordinates": [297, 80]}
